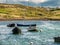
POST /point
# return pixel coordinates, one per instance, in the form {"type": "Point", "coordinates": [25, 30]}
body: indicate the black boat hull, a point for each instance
{"type": "Point", "coordinates": [33, 30]}
{"type": "Point", "coordinates": [26, 25]}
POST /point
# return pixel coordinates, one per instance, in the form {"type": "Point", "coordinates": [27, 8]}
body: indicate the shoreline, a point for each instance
{"type": "Point", "coordinates": [29, 19]}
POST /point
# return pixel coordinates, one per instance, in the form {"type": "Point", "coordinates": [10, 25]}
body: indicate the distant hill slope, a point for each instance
{"type": "Point", "coordinates": [17, 11]}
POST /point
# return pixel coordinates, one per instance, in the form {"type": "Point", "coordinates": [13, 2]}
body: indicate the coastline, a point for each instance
{"type": "Point", "coordinates": [47, 19]}
{"type": "Point", "coordinates": [12, 12]}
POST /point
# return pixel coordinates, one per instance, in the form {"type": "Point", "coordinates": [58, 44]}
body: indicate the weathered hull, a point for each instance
{"type": "Point", "coordinates": [32, 30]}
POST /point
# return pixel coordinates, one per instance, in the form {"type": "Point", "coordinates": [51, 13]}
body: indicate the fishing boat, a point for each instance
{"type": "Point", "coordinates": [26, 25]}
{"type": "Point", "coordinates": [32, 29]}
{"type": "Point", "coordinates": [57, 39]}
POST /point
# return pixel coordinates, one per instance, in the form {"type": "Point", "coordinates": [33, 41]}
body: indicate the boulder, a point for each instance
{"type": "Point", "coordinates": [11, 25]}
{"type": "Point", "coordinates": [16, 30]}
{"type": "Point", "coordinates": [57, 39]}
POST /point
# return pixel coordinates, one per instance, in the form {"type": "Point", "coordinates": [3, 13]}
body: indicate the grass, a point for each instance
{"type": "Point", "coordinates": [9, 11]}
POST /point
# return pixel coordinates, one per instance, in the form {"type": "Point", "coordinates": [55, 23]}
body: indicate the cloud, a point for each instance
{"type": "Point", "coordinates": [20, 0]}
{"type": "Point", "coordinates": [38, 1]}
{"type": "Point", "coordinates": [58, 3]}
{"type": "Point", "coordinates": [50, 3]}
{"type": "Point", "coordinates": [2, 1]}
{"type": "Point", "coordinates": [33, 2]}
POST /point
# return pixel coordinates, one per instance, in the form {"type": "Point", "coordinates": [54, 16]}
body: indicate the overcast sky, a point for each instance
{"type": "Point", "coordinates": [35, 1]}
{"type": "Point", "coordinates": [42, 2]}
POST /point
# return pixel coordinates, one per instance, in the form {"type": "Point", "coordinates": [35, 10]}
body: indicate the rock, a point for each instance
{"type": "Point", "coordinates": [16, 30]}
{"type": "Point", "coordinates": [57, 39]}
{"type": "Point", "coordinates": [11, 25]}
{"type": "Point", "coordinates": [31, 43]}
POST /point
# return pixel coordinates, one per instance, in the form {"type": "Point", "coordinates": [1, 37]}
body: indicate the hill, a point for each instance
{"type": "Point", "coordinates": [18, 11]}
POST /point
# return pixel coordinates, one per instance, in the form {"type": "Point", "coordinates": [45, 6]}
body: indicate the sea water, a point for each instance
{"type": "Point", "coordinates": [50, 29]}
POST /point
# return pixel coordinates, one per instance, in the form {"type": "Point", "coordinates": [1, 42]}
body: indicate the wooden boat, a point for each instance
{"type": "Point", "coordinates": [26, 25]}
{"type": "Point", "coordinates": [32, 29]}
{"type": "Point", "coordinates": [57, 39]}
{"type": "Point", "coordinates": [11, 25]}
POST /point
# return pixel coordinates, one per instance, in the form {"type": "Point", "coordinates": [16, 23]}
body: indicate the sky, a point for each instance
{"type": "Point", "coordinates": [34, 1]}
{"type": "Point", "coordinates": [38, 2]}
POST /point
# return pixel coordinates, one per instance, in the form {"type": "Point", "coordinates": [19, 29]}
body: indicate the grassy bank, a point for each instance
{"type": "Point", "coordinates": [18, 12]}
